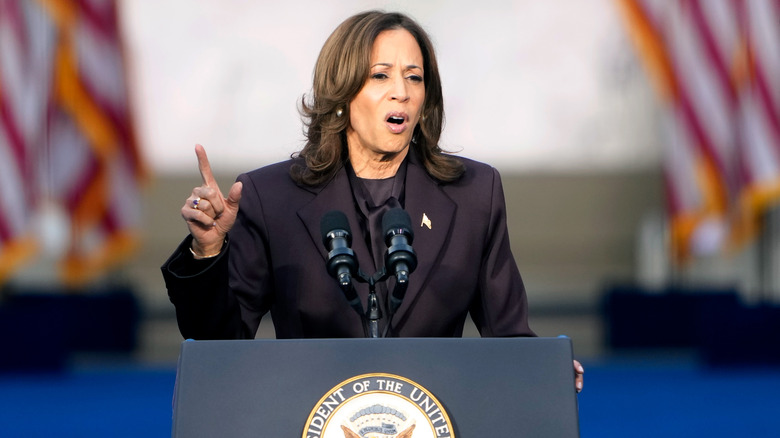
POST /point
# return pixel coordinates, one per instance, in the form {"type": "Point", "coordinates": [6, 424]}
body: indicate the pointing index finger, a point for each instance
{"type": "Point", "coordinates": [205, 167]}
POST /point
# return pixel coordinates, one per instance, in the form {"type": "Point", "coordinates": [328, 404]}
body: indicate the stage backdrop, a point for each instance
{"type": "Point", "coordinates": [528, 85]}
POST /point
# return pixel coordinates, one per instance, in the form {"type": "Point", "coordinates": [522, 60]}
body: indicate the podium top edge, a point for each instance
{"type": "Point", "coordinates": [558, 339]}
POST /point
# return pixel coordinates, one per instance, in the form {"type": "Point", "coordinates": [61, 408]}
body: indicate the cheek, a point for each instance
{"type": "Point", "coordinates": [360, 113]}
{"type": "Point", "coordinates": [355, 116]}
{"type": "Point", "coordinates": [359, 122]}
{"type": "Point", "coordinates": [419, 116]}
{"type": "Point", "coordinates": [421, 99]}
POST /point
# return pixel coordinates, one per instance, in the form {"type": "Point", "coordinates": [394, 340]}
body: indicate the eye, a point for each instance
{"type": "Point", "coordinates": [415, 78]}
{"type": "Point", "coordinates": [379, 76]}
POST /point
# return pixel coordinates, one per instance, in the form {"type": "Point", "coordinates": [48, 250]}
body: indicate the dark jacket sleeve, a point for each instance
{"type": "Point", "coordinates": [205, 308]}
{"type": "Point", "coordinates": [501, 307]}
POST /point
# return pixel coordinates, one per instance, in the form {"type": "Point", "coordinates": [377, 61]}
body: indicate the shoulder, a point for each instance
{"type": "Point", "coordinates": [277, 172]}
{"type": "Point", "coordinates": [479, 188]}
{"type": "Point", "coordinates": [272, 181]}
{"type": "Point", "coordinates": [476, 173]}
{"type": "Point", "coordinates": [276, 176]}
{"type": "Point", "coordinates": [477, 166]}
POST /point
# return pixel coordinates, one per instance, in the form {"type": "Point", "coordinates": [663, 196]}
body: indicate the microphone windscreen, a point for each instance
{"type": "Point", "coordinates": [396, 218]}
{"type": "Point", "coordinates": [333, 220]}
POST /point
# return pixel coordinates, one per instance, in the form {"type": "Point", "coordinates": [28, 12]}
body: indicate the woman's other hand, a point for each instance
{"type": "Point", "coordinates": [579, 379]}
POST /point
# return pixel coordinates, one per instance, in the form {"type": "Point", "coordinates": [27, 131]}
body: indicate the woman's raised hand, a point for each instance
{"type": "Point", "coordinates": [208, 214]}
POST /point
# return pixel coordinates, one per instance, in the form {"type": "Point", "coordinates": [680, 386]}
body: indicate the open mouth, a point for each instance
{"type": "Point", "coordinates": [397, 122]}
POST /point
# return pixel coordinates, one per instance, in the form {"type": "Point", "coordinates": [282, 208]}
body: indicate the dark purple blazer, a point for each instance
{"type": "Point", "coordinates": [274, 260]}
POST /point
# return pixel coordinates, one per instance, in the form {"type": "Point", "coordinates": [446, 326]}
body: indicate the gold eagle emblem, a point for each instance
{"type": "Point", "coordinates": [348, 433]}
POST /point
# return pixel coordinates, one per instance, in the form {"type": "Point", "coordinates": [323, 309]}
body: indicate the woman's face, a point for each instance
{"type": "Point", "coordinates": [385, 112]}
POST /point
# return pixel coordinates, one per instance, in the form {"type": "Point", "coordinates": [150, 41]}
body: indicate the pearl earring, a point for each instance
{"type": "Point", "coordinates": [339, 112]}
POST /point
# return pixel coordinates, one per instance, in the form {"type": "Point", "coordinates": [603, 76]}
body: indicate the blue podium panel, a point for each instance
{"type": "Point", "coordinates": [399, 387]}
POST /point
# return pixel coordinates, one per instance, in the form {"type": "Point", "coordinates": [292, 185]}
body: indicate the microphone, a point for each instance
{"type": "Point", "coordinates": [400, 259]}
{"type": "Point", "coordinates": [342, 264]}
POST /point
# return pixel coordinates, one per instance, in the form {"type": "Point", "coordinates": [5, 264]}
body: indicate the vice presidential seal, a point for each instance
{"type": "Point", "coordinates": [378, 406]}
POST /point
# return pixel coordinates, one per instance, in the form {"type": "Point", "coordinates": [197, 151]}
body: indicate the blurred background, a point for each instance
{"type": "Point", "coordinates": [638, 143]}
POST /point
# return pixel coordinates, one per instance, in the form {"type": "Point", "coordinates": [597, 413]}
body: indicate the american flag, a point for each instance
{"type": "Point", "coordinates": [66, 135]}
{"type": "Point", "coordinates": [716, 65]}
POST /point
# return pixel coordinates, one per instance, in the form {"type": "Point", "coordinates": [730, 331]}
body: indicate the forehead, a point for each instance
{"type": "Point", "coordinates": [396, 43]}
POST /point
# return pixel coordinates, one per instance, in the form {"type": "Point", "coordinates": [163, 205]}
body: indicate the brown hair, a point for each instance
{"type": "Point", "coordinates": [341, 70]}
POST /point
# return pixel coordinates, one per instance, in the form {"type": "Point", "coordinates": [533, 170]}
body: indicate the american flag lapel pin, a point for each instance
{"type": "Point", "coordinates": [426, 221]}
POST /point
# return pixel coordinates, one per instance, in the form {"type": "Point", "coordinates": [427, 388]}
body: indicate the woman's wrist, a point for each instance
{"type": "Point", "coordinates": [205, 253]}
{"type": "Point", "coordinates": [200, 257]}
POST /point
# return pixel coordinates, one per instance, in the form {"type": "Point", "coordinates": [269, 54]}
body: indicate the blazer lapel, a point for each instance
{"type": "Point", "coordinates": [336, 195]}
{"type": "Point", "coordinates": [431, 212]}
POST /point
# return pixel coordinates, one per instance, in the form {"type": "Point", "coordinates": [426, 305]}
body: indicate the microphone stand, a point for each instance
{"type": "Point", "coordinates": [349, 290]}
{"type": "Point", "coordinates": [373, 311]}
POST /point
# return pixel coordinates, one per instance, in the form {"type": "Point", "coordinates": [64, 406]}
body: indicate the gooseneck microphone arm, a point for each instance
{"type": "Point", "coordinates": [342, 263]}
{"type": "Point", "coordinates": [400, 259]}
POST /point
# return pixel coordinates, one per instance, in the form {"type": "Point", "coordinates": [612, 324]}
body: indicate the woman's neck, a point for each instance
{"type": "Point", "coordinates": [376, 166]}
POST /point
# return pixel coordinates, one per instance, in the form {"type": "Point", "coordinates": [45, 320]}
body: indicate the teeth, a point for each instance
{"type": "Point", "coordinates": [394, 119]}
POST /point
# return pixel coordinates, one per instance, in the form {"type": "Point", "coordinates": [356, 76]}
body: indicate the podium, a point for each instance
{"type": "Point", "coordinates": [394, 387]}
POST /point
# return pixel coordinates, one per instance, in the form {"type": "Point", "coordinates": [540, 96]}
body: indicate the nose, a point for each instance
{"type": "Point", "coordinates": [399, 91]}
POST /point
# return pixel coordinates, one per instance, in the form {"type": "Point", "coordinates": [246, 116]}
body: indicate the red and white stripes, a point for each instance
{"type": "Point", "coordinates": [66, 124]}
{"type": "Point", "coordinates": [715, 64]}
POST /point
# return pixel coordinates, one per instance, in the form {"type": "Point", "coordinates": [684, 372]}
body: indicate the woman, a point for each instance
{"type": "Point", "coordinates": [373, 121]}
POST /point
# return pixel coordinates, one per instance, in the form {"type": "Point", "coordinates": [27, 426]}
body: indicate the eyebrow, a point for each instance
{"type": "Point", "coordinates": [387, 64]}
